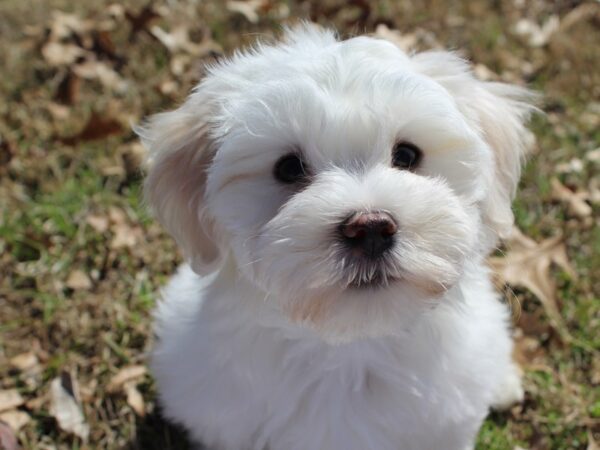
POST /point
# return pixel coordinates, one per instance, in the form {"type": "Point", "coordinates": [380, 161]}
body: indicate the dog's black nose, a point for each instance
{"type": "Point", "coordinates": [371, 233]}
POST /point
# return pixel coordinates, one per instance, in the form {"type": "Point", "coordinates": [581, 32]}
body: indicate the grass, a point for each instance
{"type": "Point", "coordinates": [77, 207]}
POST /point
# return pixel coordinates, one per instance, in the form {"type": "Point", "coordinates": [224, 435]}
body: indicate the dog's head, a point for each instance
{"type": "Point", "coordinates": [349, 181]}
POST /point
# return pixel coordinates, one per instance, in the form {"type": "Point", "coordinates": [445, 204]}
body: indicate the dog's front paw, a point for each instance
{"type": "Point", "coordinates": [510, 391]}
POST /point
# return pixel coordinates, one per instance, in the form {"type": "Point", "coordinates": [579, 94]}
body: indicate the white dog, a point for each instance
{"type": "Point", "coordinates": [336, 201]}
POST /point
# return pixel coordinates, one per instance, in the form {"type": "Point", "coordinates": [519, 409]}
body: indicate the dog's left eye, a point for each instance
{"type": "Point", "coordinates": [406, 156]}
{"type": "Point", "coordinates": [290, 169]}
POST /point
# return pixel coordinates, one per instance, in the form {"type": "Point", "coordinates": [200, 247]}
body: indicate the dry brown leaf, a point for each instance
{"type": "Point", "coordinates": [406, 41]}
{"type": "Point", "coordinates": [125, 375]}
{"type": "Point", "coordinates": [133, 157]}
{"type": "Point", "coordinates": [592, 443]}
{"type": "Point", "coordinates": [68, 89]}
{"type": "Point", "coordinates": [134, 398]}
{"type": "Point", "coordinates": [97, 222]}
{"type": "Point", "coordinates": [116, 10]}
{"type": "Point", "coordinates": [527, 264]}
{"type": "Point", "coordinates": [79, 280]}
{"type": "Point", "coordinates": [104, 46]}
{"type": "Point", "coordinates": [97, 127]}
{"type": "Point", "coordinates": [10, 399]}
{"type": "Point", "coordinates": [593, 155]}
{"type": "Point", "coordinates": [575, 200]}
{"type": "Point", "coordinates": [65, 406]}
{"type": "Point", "coordinates": [92, 69]}
{"type": "Point", "coordinates": [168, 87]}
{"type": "Point", "coordinates": [117, 215]}
{"type": "Point", "coordinates": [7, 152]}
{"type": "Point", "coordinates": [15, 419]}
{"type": "Point", "coordinates": [58, 112]}
{"type": "Point", "coordinates": [8, 440]}
{"type": "Point", "coordinates": [62, 54]}
{"type": "Point", "coordinates": [537, 35]}
{"type": "Point", "coordinates": [484, 73]}
{"type": "Point", "coordinates": [528, 351]}
{"type": "Point", "coordinates": [178, 40]}
{"type": "Point", "coordinates": [25, 362]}
{"type": "Point", "coordinates": [249, 8]}
{"type": "Point", "coordinates": [179, 64]}
{"type": "Point", "coordinates": [64, 25]}
{"type": "Point", "coordinates": [125, 236]}
{"type": "Point", "coordinates": [574, 165]}
{"type": "Point", "coordinates": [585, 11]}
{"type": "Point", "coordinates": [140, 21]}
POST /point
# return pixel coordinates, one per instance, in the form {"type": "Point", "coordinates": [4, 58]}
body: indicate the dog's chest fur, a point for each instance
{"type": "Point", "coordinates": [249, 380]}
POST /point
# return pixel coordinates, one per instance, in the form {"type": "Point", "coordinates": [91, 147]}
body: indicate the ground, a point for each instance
{"type": "Point", "coordinates": [81, 260]}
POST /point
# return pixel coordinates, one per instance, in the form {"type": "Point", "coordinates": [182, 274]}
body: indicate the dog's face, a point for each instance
{"type": "Point", "coordinates": [349, 182]}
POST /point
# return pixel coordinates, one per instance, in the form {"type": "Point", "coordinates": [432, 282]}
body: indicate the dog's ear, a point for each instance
{"type": "Point", "coordinates": [180, 150]}
{"type": "Point", "coordinates": [499, 111]}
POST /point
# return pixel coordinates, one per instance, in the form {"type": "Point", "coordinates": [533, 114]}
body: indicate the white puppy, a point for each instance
{"type": "Point", "coordinates": [336, 201]}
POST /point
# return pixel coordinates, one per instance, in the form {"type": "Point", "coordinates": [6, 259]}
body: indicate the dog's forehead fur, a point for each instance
{"type": "Point", "coordinates": [339, 102]}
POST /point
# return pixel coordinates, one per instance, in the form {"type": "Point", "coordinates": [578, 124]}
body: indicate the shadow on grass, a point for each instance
{"type": "Point", "coordinates": [155, 433]}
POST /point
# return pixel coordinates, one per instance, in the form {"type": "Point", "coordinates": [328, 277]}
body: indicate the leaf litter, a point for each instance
{"type": "Point", "coordinates": [528, 264]}
{"type": "Point", "coordinates": [65, 406]}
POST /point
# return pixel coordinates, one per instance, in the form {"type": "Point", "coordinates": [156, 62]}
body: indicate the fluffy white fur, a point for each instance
{"type": "Point", "coordinates": [263, 342]}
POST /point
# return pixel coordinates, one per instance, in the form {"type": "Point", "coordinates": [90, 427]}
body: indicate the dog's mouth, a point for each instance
{"type": "Point", "coordinates": [378, 280]}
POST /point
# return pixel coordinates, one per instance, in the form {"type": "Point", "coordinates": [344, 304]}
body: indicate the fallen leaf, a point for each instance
{"type": "Point", "coordinates": [92, 69]}
{"type": "Point", "coordinates": [133, 157]}
{"type": "Point", "coordinates": [179, 63]}
{"type": "Point", "coordinates": [584, 11]}
{"type": "Point", "coordinates": [593, 155]}
{"type": "Point", "coordinates": [10, 399]}
{"type": "Point", "coordinates": [68, 89]}
{"type": "Point", "coordinates": [140, 21]}
{"type": "Point", "coordinates": [537, 35]}
{"type": "Point", "coordinates": [65, 406]}
{"type": "Point", "coordinates": [117, 215]}
{"type": "Point", "coordinates": [97, 222]}
{"type": "Point", "coordinates": [116, 10]}
{"type": "Point", "coordinates": [25, 362]}
{"type": "Point", "coordinates": [15, 419]}
{"type": "Point", "coordinates": [97, 127]}
{"type": "Point", "coordinates": [125, 236]}
{"type": "Point", "coordinates": [248, 8]}
{"type": "Point", "coordinates": [483, 72]}
{"type": "Point", "coordinates": [527, 350]}
{"type": "Point", "coordinates": [78, 280]}
{"type": "Point", "coordinates": [8, 440]}
{"type": "Point", "coordinates": [104, 46]}
{"type": "Point", "coordinates": [64, 25]}
{"type": "Point", "coordinates": [58, 112]}
{"type": "Point", "coordinates": [134, 398]}
{"type": "Point", "coordinates": [124, 375]}
{"type": "Point", "coordinates": [178, 40]}
{"type": "Point", "coordinates": [527, 264]}
{"type": "Point", "coordinates": [7, 151]}
{"type": "Point", "coordinates": [168, 87]}
{"type": "Point", "coordinates": [62, 54]}
{"type": "Point", "coordinates": [406, 41]}
{"type": "Point", "coordinates": [575, 165]}
{"type": "Point", "coordinates": [592, 444]}
{"type": "Point", "coordinates": [576, 201]}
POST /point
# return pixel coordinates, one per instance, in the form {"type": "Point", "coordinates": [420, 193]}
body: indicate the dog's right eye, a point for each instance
{"type": "Point", "coordinates": [290, 169]}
